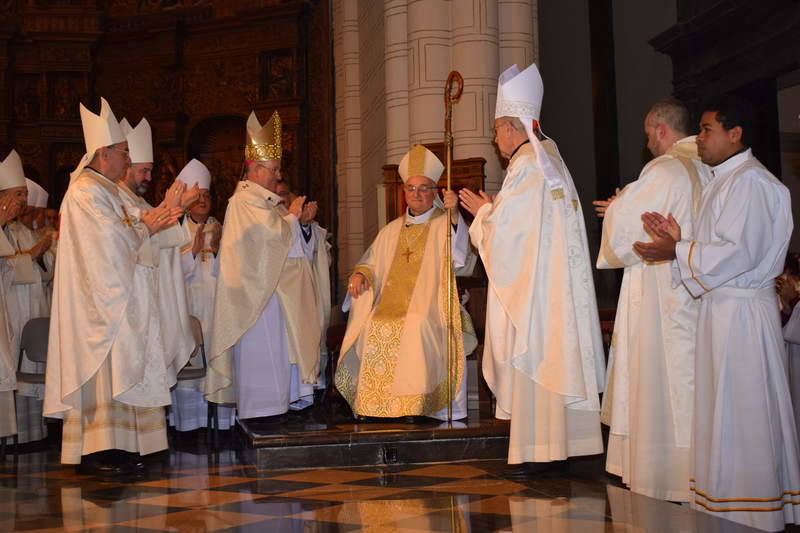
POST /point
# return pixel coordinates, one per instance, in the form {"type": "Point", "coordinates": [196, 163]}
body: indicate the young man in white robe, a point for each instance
{"type": "Point", "coordinates": [106, 375]}
{"type": "Point", "coordinates": [394, 360]}
{"type": "Point", "coordinates": [543, 354]}
{"type": "Point", "coordinates": [265, 341]}
{"type": "Point", "coordinates": [13, 193]}
{"type": "Point", "coordinates": [27, 299]}
{"type": "Point", "coordinates": [318, 252]}
{"type": "Point", "coordinates": [746, 453]}
{"type": "Point", "coordinates": [649, 397]}
{"type": "Point", "coordinates": [189, 409]}
{"type": "Point", "coordinates": [162, 249]}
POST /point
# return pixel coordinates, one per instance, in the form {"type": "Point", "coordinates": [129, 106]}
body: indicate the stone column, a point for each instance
{"type": "Point", "coordinates": [429, 65]}
{"type": "Point", "coordinates": [348, 133]}
{"type": "Point", "coordinates": [475, 56]}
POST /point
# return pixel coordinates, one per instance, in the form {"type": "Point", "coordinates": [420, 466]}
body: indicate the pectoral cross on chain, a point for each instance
{"type": "Point", "coordinates": [408, 253]}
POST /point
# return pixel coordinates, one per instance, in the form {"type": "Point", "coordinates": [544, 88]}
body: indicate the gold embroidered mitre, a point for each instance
{"type": "Point", "coordinates": [263, 143]}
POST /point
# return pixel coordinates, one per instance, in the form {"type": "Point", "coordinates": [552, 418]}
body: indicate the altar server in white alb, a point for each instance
{"type": "Point", "coordinates": [105, 373]}
{"type": "Point", "coordinates": [27, 299]}
{"type": "Point", "coordinates": [13, 193]}
{"type": "Point", "coordinates": [161, 251]}
{"type": "Point", "coordinates": [746, 452]}
{"type": "Point", "coordinates": [189, 409]}
{"type": "Point", "coordinates": [649, 397]}
{"type": "Point", "coordinates": [265, 341]}
{"type": "Point", "coordinates": [393, 359]}
{"type": "Point", "coordinates": [543, 354]}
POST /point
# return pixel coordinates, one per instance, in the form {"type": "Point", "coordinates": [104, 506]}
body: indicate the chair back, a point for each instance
{"type": "Point", "coordinates": [34, 339]}
{"type": "Point", "coordinates": [197, 330]}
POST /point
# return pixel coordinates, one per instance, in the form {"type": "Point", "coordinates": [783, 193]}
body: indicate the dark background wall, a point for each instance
{"type": "Point", "coordinates": [194, 68]}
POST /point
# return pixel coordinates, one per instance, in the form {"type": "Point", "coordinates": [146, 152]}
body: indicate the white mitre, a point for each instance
{"type": "Point", "coordinates": [140, 140]}
{"type": "Point", "coordinates": [520, 94]}
{"type": "Point", "coordinates": [195, 172]}
{"type": "Point", "coordinates": [98, 131]}
{"type": "Point", "coordinates": [37, 196]}
{"type": "Point", "coordinates": [419, 161]}
{"type": "Point", "coordinates": [11, 172]}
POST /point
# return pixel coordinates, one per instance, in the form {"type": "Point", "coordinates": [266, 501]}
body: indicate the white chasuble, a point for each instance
{"type": "Point", "coordinates": [393, 358]}
{"type": "Point", "coordinates": [105, 371]}
{"type": "Point", "coordinates": [189, 407]}
{"type": "Point", "coordinates": [543, 355]}
{"type": "Point", "coordinates": [261, 284]}
{"type": "Point", "coordinates": [163, 251]}
{"type": "Point", "coordinates": [650, 385]}
{"type": "Point", "coordinates": [8, 366]}
{"type": "Point", "coordinates": [746, 453]}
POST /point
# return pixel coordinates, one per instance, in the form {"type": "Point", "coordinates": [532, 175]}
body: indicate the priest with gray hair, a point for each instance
{"type": "Point", "coordinates": [543, 353]}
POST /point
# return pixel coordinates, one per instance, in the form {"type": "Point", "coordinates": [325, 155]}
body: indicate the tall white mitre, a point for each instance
{"type": "Point", "coordinates": [195, 172]}
{"type": "Point", "coordinates": [419, 161]}
{"type": "Point", "coordinates": [37, 196]}
{"type": "Point", "coordinates": [520, 95]}
{"type": "Point", "coordinates": [98, 131]}
{"type": "Point", "coordinates": [140, 140]}
{"type": "Point", "coordinates": [11, 172]}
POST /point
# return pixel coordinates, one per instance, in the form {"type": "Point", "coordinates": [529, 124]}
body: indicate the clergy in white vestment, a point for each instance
{"type": "Point", "coordinates": [189, 409]}
{"type": "Point", "coordinates": [106, 374]}
{"type": "Point", "coordinates": [318, 252]}
{"type": "Point", "coordinates": [746, 453]}
{"type": "Point", "coordinates": [394, 356]}
{"type": "Point", "coordinates": [265, 341]}
{"type": "Point", "coordinates": [26, 299]}
{"type": "Point", "coordinates": [649, 397]}
{"type": "Point", "coordinates": [13, 194]}
{"type": "Point", "coordinates": [162, 250]}
{"type": "Point", "coordinates": [543, 354]}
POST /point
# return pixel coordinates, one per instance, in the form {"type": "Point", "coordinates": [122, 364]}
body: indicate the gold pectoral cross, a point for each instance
{"type": "Point", "coordinates": [408, 253]}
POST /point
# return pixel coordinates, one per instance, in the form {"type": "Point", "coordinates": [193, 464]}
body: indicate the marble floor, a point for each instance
{"type": "Point", "coordinates": [191, 488]}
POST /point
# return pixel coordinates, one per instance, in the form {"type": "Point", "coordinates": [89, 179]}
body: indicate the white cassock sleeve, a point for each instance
{"type": "Point", "coordinates": [742, 236]}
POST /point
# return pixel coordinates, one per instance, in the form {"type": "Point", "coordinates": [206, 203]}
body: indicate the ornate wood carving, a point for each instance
{"type": "Point", "coordinates": [194, 68]}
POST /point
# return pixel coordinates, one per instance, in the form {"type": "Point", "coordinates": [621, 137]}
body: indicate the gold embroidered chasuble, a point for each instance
{"type": "Point", "coordinates": [394, 355]}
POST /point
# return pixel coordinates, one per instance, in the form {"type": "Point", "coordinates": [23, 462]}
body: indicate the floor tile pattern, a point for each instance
{"type": "Point", "coordinates": [192, 492]}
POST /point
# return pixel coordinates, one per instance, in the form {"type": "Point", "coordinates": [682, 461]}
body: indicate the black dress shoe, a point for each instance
{"type": "Point", "coordinates": [98, 468]}
{"type": "Point", "coordinates": [532, 470]}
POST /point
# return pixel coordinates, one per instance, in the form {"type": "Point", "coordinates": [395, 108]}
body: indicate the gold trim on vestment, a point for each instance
{"type": "Point", "coordinates": [724, 500]}
{"type": "Point", "coordinates": [370, 393]}
{"type": "Point", "coordinates": [691, 270]}
{"type": "Point", "coordinates": [557, 194]}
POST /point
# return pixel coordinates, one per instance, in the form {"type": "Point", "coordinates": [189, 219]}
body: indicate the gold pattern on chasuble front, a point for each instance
{"type": "Point", "coordinates": [373, 395]}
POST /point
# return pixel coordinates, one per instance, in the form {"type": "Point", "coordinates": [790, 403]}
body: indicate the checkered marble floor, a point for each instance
{"type": "Point", "coordinates": [185, 491]}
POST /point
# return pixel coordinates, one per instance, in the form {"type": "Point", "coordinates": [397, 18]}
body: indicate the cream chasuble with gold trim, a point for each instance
{"type": "Point", "coordinates": [394, 354]}
{"type": "Point", "coordinates": [649, 397]}
{"type": "Point", "coordinates": [254, 264]}
{"type": "Point", "coordinates": [105, 372]}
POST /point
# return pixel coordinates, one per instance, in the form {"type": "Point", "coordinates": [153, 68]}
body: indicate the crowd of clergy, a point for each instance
{"type": "Point", "coordinates": [696, 388]}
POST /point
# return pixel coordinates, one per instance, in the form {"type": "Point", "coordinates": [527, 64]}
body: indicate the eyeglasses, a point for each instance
{"type": "Point", "coordinates": [421, 188]}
